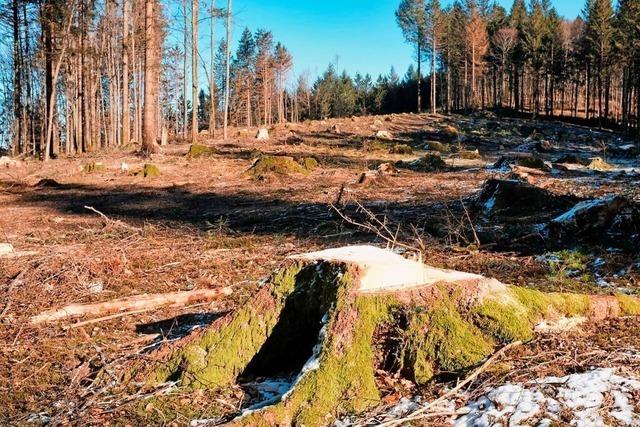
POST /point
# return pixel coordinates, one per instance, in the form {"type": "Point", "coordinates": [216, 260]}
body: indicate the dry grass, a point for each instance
{"type": "Point", "coordinates": [204, 224]}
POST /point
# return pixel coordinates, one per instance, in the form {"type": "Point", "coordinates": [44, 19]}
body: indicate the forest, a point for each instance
{"type": "Point", "coordinates": [205, 220]}
{"type": "Point", "coordinates": [75, 81]}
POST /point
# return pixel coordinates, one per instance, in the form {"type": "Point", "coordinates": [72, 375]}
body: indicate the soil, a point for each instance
{"type": "Point", "coordinates": [204, 222]}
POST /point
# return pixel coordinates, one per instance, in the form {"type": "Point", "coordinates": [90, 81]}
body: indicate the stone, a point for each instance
{"type": "Point", "coordinates": [263, 134]}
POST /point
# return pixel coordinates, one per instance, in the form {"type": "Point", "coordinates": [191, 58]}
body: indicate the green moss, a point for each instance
{"type": "Point", "coordinates": [149, 170]}
{"type": "Point", "coordinates": [441, 338]}
{"type": "Point", "coordinates": [376, 145]}
{"type": "Point", "coordinates": [197, 151]}
{"type": "Point", "coordinates": [216, 358]}
{"type": "Point", "coordinates": [401, 149]}
{"type": "Point", "coordinates": [309, 164]}
{"type": "Point", "coordinates": [513, 316]}
{"type": "Point", "coordinates": [629, 306]}
{"type": "Point", "coordinates": [344, 383]}
{"type": "Point", "coordinates": [506, 322]}
{"type": "Point", "coordinates": [93, 167]}
{"type": "Point", "coordinates": [274, 165]}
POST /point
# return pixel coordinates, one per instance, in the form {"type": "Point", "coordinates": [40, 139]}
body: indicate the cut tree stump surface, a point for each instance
{"type": "Point", "coordinates": [385, 271]}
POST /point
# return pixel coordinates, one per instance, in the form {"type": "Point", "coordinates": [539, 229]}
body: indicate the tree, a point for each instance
{"type": "Point", "coordinates": [434, 23]}
{"type": "Point", "coordinates": [227, 69]}
{"type": "Point", "coordinates": [599, 31]}
{"type": "Point", "coordinates": [412, 20]}
{"type": "Point", "coordinates": [194, 70]}
{"type": "Point", "coordinates": [151, 75]}
{"type": "Point", "coordinates": [477, 42]}
{"type": "Point", "coordinates": [282, 62]}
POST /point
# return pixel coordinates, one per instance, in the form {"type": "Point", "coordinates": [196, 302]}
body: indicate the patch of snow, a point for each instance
{"type": "Point", "coordinates": [489, 205]}
{"type": "Point", "coordinates": [582, 395]}
{"type": "Point", "coordinates": [570, 215]}
{"type": "Point", "coordinates": [382, 270]}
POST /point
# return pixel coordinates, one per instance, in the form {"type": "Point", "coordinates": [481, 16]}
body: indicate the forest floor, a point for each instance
{"type": "Point", "coordinates": [206, 222]}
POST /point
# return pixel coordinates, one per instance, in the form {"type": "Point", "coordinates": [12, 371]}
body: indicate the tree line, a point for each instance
{"type": "Point", "coordinates": [82, 75]}
{"type": "Point", "coordinates": [525, 60]}
{"type": "Point", "coordinates": [89, 74]}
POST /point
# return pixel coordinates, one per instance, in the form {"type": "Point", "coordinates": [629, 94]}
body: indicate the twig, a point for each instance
{"type": "Point", "coordinates": [422, 412]}
{"type": "Point", "coordinates": [13, 283]}
{"type": "Point", "coordinates": [381, 231]}
{"type": "Point", "coordinates": [111, 221]}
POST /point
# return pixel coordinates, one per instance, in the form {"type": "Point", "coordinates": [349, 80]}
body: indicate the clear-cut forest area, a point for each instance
{"type": "Point", "coordinates": [195, 233]}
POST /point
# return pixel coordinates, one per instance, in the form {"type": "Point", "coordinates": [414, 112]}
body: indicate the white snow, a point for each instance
{"type": "Point", "coordinates": [383, 270]}
{"type": "Point", "coordinates": [585, 396]}
{"type": "Point", "coordinates": [489, 204]}
{"type": "Point", "coordinates": [570, 215]}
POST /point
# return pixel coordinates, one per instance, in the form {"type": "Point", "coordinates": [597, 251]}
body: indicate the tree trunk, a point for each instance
{"type": "Point", "coordinates": [194, 70]}
{"type": "Point", "coordinates": [227, 66]}
{"type": "Point", "coordinates": [151, 71]}
{"type": "Point", "coordinates": [212, 103]}
{"type": "Point", "coordinates": [126, 120]}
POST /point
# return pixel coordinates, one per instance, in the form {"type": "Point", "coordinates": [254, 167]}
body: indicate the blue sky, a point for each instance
{"type": "Point", "coordinates": [360, 35]}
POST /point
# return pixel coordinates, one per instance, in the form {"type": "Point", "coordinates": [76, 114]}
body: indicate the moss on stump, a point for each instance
{"type": "Point", "coordinates": [322, 319]}
{"type": "Point", "coordinates": [268, 165]}
{"type": "Point", "coordinates": [149, 170]}
{"type": "Point", "coordinates": [197, 151]}
{"type": "Point", "coordinates": [93, 167]}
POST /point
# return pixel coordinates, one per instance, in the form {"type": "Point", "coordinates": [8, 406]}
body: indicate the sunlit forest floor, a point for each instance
{"type": "Point", "coordinates": [207, 221]}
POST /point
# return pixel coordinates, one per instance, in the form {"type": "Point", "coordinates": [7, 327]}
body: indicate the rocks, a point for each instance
{"type": "Point", "coordinates": [263, 134]}
{"type": "Point", "coordinates": [401, 149]}
{"type": "Point", "coordinates": [124, 167]}
{"type": "Point", "coordinates": [384, 134]}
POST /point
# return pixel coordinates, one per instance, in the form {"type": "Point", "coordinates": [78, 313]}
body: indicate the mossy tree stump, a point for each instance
{"type": "Point", "coordinates": [329, 318]}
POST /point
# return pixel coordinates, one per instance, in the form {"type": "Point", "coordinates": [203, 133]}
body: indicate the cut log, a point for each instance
{"type": "Point", "coordinates": [144, 302]}
{"type": "Point", "coordinates": [327, 319]}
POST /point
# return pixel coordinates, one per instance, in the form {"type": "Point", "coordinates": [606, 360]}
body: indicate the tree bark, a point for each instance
{"type": "Point", "coordinates": [149, 120]}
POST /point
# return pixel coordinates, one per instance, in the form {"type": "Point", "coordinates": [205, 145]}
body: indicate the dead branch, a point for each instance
{"type": "Point", "coordinates": [130, 305]}
{"type": "Point", "coordinates": [379, 228]}
{"type": "Point", "coordinates": [108, 220]}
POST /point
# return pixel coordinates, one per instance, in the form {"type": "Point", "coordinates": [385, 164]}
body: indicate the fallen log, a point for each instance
{"type": "Point", "coordinates": [136, 303]}
{"type": "Point", "coordinates": [328, 320]}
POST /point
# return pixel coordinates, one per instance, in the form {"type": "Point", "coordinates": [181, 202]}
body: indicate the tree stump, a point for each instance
{"type": "Point", "coordinates": [331, 318]}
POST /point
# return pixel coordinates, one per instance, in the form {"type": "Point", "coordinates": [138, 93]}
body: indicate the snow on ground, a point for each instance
{"type": "Point", "coordinates": [586, 397]}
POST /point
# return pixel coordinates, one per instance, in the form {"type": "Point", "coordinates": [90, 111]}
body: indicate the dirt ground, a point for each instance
{"type": "Point", "coordinates": [206, 223]}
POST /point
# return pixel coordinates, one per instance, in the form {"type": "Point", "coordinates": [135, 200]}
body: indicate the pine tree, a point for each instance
{"type": "Point", "coordinates": [411, 17]}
